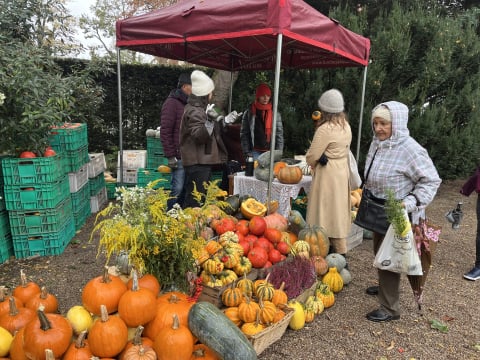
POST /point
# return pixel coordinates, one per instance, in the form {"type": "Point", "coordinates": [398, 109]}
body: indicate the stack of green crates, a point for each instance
{"type": "Point", "coordinates": [6, 244]}
{"type": "Point", "coordinates": [145, 176]}
{"type": "Point", "coordinates": [37, 197]}
{"type": "Point", "coordinates": [155, 155]}
{"type": "Point", "coordinates": [70, 140]}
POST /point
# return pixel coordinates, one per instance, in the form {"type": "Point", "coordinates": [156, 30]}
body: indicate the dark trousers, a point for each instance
{"type": "Point", "coordinates": [477, 242]}
{"type": "Point", "coordinates": [388, 284]}
{"type": "Point", "coordinates": [195, 176]}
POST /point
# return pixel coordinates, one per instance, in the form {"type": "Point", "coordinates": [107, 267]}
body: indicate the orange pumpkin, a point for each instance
{"type": "Point", "coordinates": [164, 315]}
{"type": "Point", "coordinates": [16, 318]}
{"type": "Point", "coordinates": [16, 348]}
{"type": "Point", "coordinates": [137, 305]}
{"type": "Point", "coordinates": [44, 298]}
{"type": "Point", "coordinates": [4, 301]}
{"type": "Point", "coordinates": [108, 335]}
{"type": "Point", "coordinates": [26, 289]}
{"type": "Point", "coordinates": [47, 331]}
{"type": "Point", "coordinates": [78, 350]}
{"type": "Point", "coordinates": [290, 175]}
{"type": "Point", "coordinates": [137, 342]}
{"type": "Point", "coordinates": [232, 314]}
{"type": "Point", "coordinates": [279, 165]}
{"type": "Point", "coordinates": [147, 281]}
{"type": "Point", "coordinates": [203, 352]}
{"type": "Point", "coordinates": [174, 341]}
{"type": "Point", "coordinates": [103, 290]}
{"type": "Point", "coordinates": [320, 265]}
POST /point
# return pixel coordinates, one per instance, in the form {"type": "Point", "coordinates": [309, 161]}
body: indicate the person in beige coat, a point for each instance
{"type": "Point", "coordinates": [328, 156]}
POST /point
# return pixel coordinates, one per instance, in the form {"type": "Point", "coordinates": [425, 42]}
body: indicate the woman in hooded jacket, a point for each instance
{"type": "Point", "coordinates": [397, 163]}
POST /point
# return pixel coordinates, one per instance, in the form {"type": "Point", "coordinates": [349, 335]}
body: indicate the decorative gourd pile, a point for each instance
{"type": "Point", "coordinates": [355, 197]}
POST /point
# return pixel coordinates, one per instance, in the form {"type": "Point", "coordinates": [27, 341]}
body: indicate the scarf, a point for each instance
{"type": "Point", "coordinates": [267, 117]}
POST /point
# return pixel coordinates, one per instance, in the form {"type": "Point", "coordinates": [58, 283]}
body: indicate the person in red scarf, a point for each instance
{"type": "Point", "coordinates": [257, 122]}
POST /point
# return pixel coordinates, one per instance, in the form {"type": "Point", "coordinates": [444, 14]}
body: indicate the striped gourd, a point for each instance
{"type": "Point", "coordinates": [232, 296]}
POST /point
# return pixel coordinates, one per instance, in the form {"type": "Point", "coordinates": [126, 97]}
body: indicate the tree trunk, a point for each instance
{"type": "Point", "coordinates": [223, 81]}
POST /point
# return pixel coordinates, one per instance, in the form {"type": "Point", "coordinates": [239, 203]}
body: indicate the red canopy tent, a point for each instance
{"type": "Point", "coordinates": [244, 35]}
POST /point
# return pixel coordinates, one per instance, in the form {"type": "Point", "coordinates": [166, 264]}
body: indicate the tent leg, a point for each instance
{"type": "Point", "coordinates": [359, 136]}
{"type": "Point", "coordinates": [120, 120]}
{"type": "Point", "coordinates": [275, 114]}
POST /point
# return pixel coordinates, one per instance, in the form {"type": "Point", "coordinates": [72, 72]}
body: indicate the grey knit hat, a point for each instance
{"type": "Point", "coordinates": [331, 101]}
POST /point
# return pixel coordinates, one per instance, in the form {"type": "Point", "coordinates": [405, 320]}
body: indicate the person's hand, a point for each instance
{"type": "Point", "coordinates": [232, 117]}
{"type": "Point", "coordinates": [323, 160]}
{"type": "Point", "coordinates": [212, 114]}
{"type": "Point", "coordinates": [172, 162]}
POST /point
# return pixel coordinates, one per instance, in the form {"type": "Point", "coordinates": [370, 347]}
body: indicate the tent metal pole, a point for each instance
{"type": "Point", "coordinates": [120, 120]}
{"type": "Point", "coordinates": [231, 93]}
{"type": "Point", "coordinates": [275, 114]}
{"type": "Point", "coordinates": [359, 136]}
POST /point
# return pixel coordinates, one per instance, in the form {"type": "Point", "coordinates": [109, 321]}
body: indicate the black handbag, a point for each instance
{"type": "Point", "coordinates": [371, 214]}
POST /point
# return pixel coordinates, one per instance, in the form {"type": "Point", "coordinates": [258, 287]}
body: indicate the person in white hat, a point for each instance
{"type": "Point", "coordinates": [329, 198]}
{"type": "Point", "coordinates": [201, 144]}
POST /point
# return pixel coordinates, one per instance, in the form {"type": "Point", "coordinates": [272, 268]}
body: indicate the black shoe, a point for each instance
{"type": "Point", "coordinates": [473, 274]}
{"type": "Point", "coordinates": [381, 316]}
{"type": "Point", "coordinates": [372, 290]}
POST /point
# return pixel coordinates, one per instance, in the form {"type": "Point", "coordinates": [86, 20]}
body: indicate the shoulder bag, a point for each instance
{"type": "Point", "coordinates": [371, 214]}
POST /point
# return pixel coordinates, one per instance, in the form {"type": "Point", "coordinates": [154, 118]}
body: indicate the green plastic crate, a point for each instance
{"type": "Point", "coordinates": [145, 176]}
{"type": "Point", "coordinates": [81, 215]}
{"type": "Point", "coordinates": [2, 198]}
{"type": "Point", "coordinates": [75, 159]}
{"type": "Point", "coordinates": [155, 160]}
{"type": "Point", "coordinates": [80, 198]}
{"type": "Point", "coordinates": [96, 184]}
{"type": "Point", "coordinates": [154, 146]}
{"type": "Point", "coordinates": [38, 196]}
{"type": "Point", "coordinates": [36, 222]}
{"type": "Point", "coordinates": [4, 224]}
{"type": "Point", "coordinates": [46, 244]}
{"type": "Point", "coordinates": [111, 190]}
{"type": "Point", "coordinates": [6, 248]}
{"type": "Point", "coordinates": [68, 137]}
{"type": "Point", "coordinates": [17, 171]}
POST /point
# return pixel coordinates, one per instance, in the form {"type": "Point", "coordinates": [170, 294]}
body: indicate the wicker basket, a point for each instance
{"type": "Point", "coordinates": [271, 334]}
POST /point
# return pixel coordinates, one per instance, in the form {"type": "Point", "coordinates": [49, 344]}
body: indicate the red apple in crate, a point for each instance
{"type": "Point", "coordinates": [49, 152]}
{"type": "Point", "coordinates": [27, 154]}
{"type": "Point", "coordinates": [258, 256]}
{"type": "Point", "coordinates": [257, 225]}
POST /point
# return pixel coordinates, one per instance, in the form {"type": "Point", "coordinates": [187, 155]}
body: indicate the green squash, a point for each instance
{"type": "Point", "coordinates": [264, 159]}
{"type": "Point", "coordinates": [213, 329]}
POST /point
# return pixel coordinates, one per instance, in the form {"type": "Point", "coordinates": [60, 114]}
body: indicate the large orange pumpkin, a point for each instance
{"type": "Point", "coordinates": [290, 175]}
{"type": "Point", "coordinates": [279, 165]}
{"type": "Point", "coordinates": [174, 341]}
{"type": "Point", "coordinates": [108, 335]}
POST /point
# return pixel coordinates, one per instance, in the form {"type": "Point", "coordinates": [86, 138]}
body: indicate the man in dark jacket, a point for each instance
{"type": "Point", "coordinates": [201, 141]}
{"type": "Point", "coordinates": [171, 117]}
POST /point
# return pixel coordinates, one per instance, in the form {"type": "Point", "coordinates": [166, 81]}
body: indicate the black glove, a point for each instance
{"type": "Point", "coordinates": [323, 160]}
{"type": "Point", "coordinates": [172, 162]}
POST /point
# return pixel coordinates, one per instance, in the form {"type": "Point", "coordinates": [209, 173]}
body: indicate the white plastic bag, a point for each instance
{"type": "Point", "coordinates": [398, 254]}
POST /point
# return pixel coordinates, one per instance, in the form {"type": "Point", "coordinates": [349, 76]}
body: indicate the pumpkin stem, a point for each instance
{"type": "Point", "coordinates": [199, 353]}
{"type": "Point", "coordinates": [23, 278]}
{"type": "Point", "coordinates": [43, 293]}
{"type": "Point", "coordinates": [173, 299]}
{"type": "Point", "coordinates": [13, 306]}
{"type": "Point", "coordinates": [282, 286]}
{"type": "Point", "coordinates": [44, 322]}
{"type": "Point", "coordinates": [106, 276]}
{"type": "Point", "coordinates": [176, 322]}
{"type": "Point", "coordinates": [80, 342]}
{"type": "Point", "coordinates": [49, 354]}
{"type": "Point", "coordinates": [103, 313]}
{"type": "Point", "coordinates": [137, 338]}
{"type": "Point", "coordinates": [2, 293]}
{"type": "Point", "coordinates": [134, 280]}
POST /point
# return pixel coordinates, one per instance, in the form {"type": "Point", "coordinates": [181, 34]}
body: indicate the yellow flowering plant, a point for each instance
{"type": "Point", "coordinates": [157, 241]}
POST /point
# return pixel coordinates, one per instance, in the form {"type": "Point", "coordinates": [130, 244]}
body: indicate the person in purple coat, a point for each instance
{"type": "Point", "coordinates": [171, 117]}
{"type": "Point", "coordinates": [473, 184]}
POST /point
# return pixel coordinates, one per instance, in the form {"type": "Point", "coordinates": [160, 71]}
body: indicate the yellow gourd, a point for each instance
{"type": "Point", "coordinates": [5, 341]}
{"type": "Point", "coordinates": [297, 321]}
{"type": "Point", "coordinates": [333, 280]}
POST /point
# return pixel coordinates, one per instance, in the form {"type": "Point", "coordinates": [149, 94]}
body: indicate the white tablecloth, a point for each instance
{"type": "Point", "coordinates": [249, 185]}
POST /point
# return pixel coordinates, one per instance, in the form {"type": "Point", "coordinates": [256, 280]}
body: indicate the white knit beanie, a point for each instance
{"type": "Point", "coordinates": [331, 101]}
{"type": "Point", "coordinates": [382, 112]}
{"type": "Point", "coordinates": [202, 85]}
